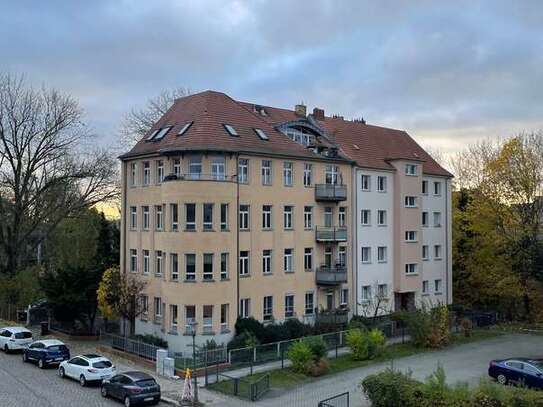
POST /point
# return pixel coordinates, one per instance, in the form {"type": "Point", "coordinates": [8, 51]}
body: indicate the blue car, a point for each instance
{"type": "Point", "coordinates": [46, 352]}
{"type": "Point", "coordinates": [522, 371]}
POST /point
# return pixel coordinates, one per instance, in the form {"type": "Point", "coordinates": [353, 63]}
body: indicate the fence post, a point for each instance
{"type": "Point", "coordinates": [278, 348]}
{"type": "Point", "coordinates": [229, 357]}
{"type": "Point", "coordinates": [236, 382]}
{"type": "Point", "coordinates": [336, 343]}
{"type": "Point", "coordinates": [282, 358]}
{"type": "Point", "coordinates": [217, 372]}
{"type": "Point", "coordinates": [205, 373]}
{"type": "Point", "coordinates": [254, 354]}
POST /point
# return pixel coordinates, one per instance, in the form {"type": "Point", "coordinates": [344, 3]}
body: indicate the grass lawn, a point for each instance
{"type": "Point", "coordinates": [285, 379]}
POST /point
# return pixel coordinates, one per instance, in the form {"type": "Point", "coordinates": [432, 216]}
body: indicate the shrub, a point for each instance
{"type": "Point", "coordinates": [317, 347]}
{"type": "Point", "coordinates": [359, 344]}
{"type": "Point", "coordinates": [376, 343]}
{"type": "Point", "coordinates": [391, 388]}
{"type": "Point", "coordinates": [467, 327]}
{"type": "Point", "coordinates": [295, 329]}
{"type": "Point", "coordinates": [249, 325]}
{"type": "Point", "coordinates": [300, 355]}
{"type": "Point", "coordinates": [243, 340]}
{"type": "Point", "coordinates": [428, 328]}
{"type": "Point", "coordinates": [359, 322]}
{"type": "Point", "coordinates": [318, 367]}
{"type": "Point", "coordinates": [153, 340]}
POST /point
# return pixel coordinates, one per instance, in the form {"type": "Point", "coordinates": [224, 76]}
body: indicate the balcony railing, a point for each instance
{"type": "Point", "coordinates": [331, 234]}
{"type": "Point", "coordinates": [331, 275]}
{"type": "Point", "coordinates": [199, 177]}
{"type": "Point", "coordinates": [332, 318]}
{"type": "Point", "coordinates": [330, 192]}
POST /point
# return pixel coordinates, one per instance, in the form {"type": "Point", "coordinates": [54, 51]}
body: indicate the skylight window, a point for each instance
{"type": "Point", "coordinates": [184, 128]}
{"type": "Point", "coordinates": [231, 130]}
{"type": "Point", "coordinates": [261, 134]}
{"type": "Point", "coordinates": [152, 135]}
{"type": "Point", "coordinates": [163, 131]}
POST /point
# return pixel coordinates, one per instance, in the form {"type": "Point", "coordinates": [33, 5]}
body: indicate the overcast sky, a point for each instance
{"type": "Point", "coordinates": [447, 73]}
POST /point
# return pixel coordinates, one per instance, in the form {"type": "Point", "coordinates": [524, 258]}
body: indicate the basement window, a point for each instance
{"type": "Point", "coordinates": [232, 131]}
{"type": "Point", "coordinates": [184, 129]}
{"type": "Point", "coordinates": [261, 134]}
{"type": "Point", "coordinates": [160, 135]}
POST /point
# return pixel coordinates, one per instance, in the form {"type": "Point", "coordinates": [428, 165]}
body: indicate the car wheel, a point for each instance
{"type": "Point", "coordinates": [127, 401]}
{"type": "Point", "coordinates": [103, 391]}
{"type": "Point", "coordinates": [502, 379]}
{"type": "Point", "coordinates": [41, 364]}
{"type": "Point", "coordinates": [61, 372]}
{"type": "Point", "coordinates": [6, 348]}
{"type": "Point", "coordinates": [25, 358]}
{"type": "Point", "coordinates": [82, 381]}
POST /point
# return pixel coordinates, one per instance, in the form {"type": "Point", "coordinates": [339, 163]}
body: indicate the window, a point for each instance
{"type": "Point", "coordinates": [287, 217]}
{"type": "Point", "coordinates": [158, 308]}
{"type": "Point", "coordinates": [218, 169]}
{"type": "Point", "coordinates": [410, 202]}
{"type": "Point", "coordinates": [190, 216]}
{"type": "Point", "coordinates": [208, 216]}
{"type": "Point", "coordinates": [195, 166]}
{"type": "Point", "coordinates": [208, 266]}
{"type": "Point", "coordinates": [366, 254]}
{"type": "Point", "coordinates": [173, 317]}
{"type": "Point", "coordinates": [342, 256]}
{"type": "Point", "coordinates": [174, 266]}
{"type": "Point", "coordinates": [331, 175]}
{"type": "Point", "coordinates": [208, 319]}
{"type": "Point", "coordinates": [266, 261]}
{"type": "Point", "coordinates": [231, 130]}
{"type": "Point", "coordinates": [287, 261]}
{"type": "Point", "coordinates": [381, 218]}
{"type": "Point", "coordinates": [245, 307]}
{"type": "Point", "coordinates": [244, 263]}
{"type": "Point", "coordinates": [410, 169]}
{"type": "Point", "coordinates": [344, 297]}
{"type": "Point", "coordinates": [146, 173]}
{"type": "Point", "coordinates": [133, 174]}
{"type": "Point", "coordinates": [411, 268]}
{"type": "Point", "coordinates": [328, 217]}
{"type": "Point", "coordinates": [145, 304]}
{"type": "Point", "coordinates": [382, 254]}
{"type": "Point", "coordinates": [410, 236]}
{"type": "Point", "coordinates": [381, 183]}
{"type": "Point", "coordinates": [133, 217]}
{"type": "Point", "coordinates": [266, 172]}
{"type": "Point", "coordinates": [224, 216]}
{"type": "Point", "coordinates": [366, 292]}
{"type": "Point", "coordinates": [133, 260]}
{"type": "Point", "coordinates": [244, 217]}
{"type": "Point", "coordinates": [309, 308]}
{"type": "Point", "coordinates": [190, 318]}
{"type": "Point", "coordinates": [365, 182]}
{"type": "Point", "coordinates": [160, 135]}
{"type": "Point", "coordinates": [260, 133]}
{"type": "Point", "coordinates": [289, 306]}
{"type": "Point", "coordinates": [425, 252]}
{"type": "Point", "coordinates": [308, 259]}
{"type": "Point", "coordinates": [146, 262]}
{"type": "Point", "coordinates": [365, 217]}
{"type": "Point", "coordinates": [437, 252]}
{"type": "Point", "coordinates": [382, 291]}
{"type": "Point", "coordinates": [424, 218]}
{"type": "Point", "coordinates": [437, 188]}
{"type": "Point", "coordinates": [424, 187]}
{"type": "Point", "coordinates": [190, 267]}
{"type": "Point", "coordinates": [224, 317]}
{"type": "Point", "coordinates": [159, 217]}
{"type": "Point", "coordinates": [266, 216]}
{"type": "Point", "coordinates": [308, 217]}
{"type": "Point", "coordinates": [308, 170]}
{"type": "Point", "coordinates": [174, 217]}
{"type": "Point", "coordinates": [287, 174]}
{"type": "Point", "coordinates": [243, 171]}
{"type": "Point", "coordinates": [159, 171]}
{"type": "Point", "coordinates": [437, 219]}
{"type": "Point", "coordinates": [328, 256]}
{"type": "Point", "coordinates": [184, 128]}
{"type": "Point", "coordinates": [158, 262]}
{"type": "Point", "coordinates": [177, 167]}
{"type": "Point", "coordinates": [425, 287]}
{"type": "Point", "coordinates": [267, 313]}
{"type": "Point", "coordinates": [145, 210]}
{"type": "Point", "coordinates": [224, 266]}
{"type": "Point", "coordinates": [437, 286]}
{"type": "Point", "coordinates": [341, 216]}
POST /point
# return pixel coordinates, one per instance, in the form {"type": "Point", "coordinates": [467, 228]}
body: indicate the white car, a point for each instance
{"type": "Point", "coordinates": [14, 338]}
{"type": "Point", "coordinates": [87, 368]}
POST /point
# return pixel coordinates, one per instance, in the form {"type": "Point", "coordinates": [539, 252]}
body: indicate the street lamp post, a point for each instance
{"type": "Point", "coordinates": [193, 326]}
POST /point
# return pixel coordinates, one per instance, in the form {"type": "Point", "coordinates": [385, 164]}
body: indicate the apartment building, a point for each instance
{"type": "Point", "coordinates": [227, 215]}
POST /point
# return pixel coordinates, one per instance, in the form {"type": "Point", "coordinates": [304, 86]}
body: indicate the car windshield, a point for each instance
{"type": "Point", "coordinates": [23, 335]}
{"type": "Point", "coordinates": [57, 348]}
{"type": "Point", "coordinates": [538, 364]}
{"type": "Point", "coordinates": [146, 382]}
{"type": "Point", "coordinates": [103, 364]}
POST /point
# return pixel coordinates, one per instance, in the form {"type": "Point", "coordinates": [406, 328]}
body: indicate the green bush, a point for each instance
{"type": "Point", "coordinates": [301, 357]}
{"type": "Point", "coordinates": [376, 343]}
{"type": "Point", "coordinates": [317, 346]}
{"type": "Point", "coordinates": [428, 327]}
{"type": "Point", "coordinates": [358, 342]}
{"type": "Point", "coordinates": [391, 388]}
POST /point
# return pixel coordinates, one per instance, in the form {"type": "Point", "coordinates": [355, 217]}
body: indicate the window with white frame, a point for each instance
{"type": "Point", "coordinates": [158, 262]}
{"type": "Point", "coordinates": [146, 261]}
{"type": "Point", "coordinates": [144, 304]}
{"type": "Point", "coordinates": [366, 292]}
{"type": "Point", "coordinates": [146, 173]}
{"type": "Point", "coordinates": [410, 235]}
{"type": "Point", "coordinates": [208, 266]}
{"type": "Point", "coordinates": [133, 260]}
{"type": "Point", "coordinates": [158, 308]}
{"type": "Point", "coordinates": [437, 286]}
{"type": "Point", "coordinates": [190, 318]}
{"type": "Point", "coordinates": [174, 217]}
{"type": "Point", "coordinates": [288, 265]}
{"type": "Point", "coordinates": [173, 318]}
{"type": "Point", "coordinates": [133, 217]}
{"type": "Point", "coordinates": [437, 188]}
{"type": "Point", "coordinates": [425, 287]}
{"type": "Point", "coordinates": [308, 175]}
{"type": "Point", "coordinates": [425, 252]}
{"type": "Point", "coordinates": [243, 171]}
{"type": "Point", "coordinates": [437, 252]}
{"type": "Point", "coordinates": [207, 319]}
{"type": "Point", "coordinates": [174, 266]}
{"type": "Point", "coordinates": [190, 216]}
{"type": "Point", "coordinates": [382, 291]}
{"type": "Point", "coordinates": [289, 305]}
{"type": "Point", "coordinates": [425, 219]}
{"type": "Point", "coordinates": [218, 168]}
{"type": "Point", "coordinates": [410, 202]}
{"type": "Point", "coordinates": [195, 166]}
{"type": "Point", "coordinates": [437, 219]}
{"type": "Point", "coordinates": [224, 266]}
{"type": "Point", "coordinates": [410, 169]}
{"type": "Point", "coordinates": [381, 217]}
{"type": "Point", "coordinates": [365, 182]}
{"type": "Point", "coordinates": [344, 297]}
{"type": "Point", "coordinates": [224, 317]}
{"type": "Point", "coordinates": [208, 216]}
{"type": "Point", "coordinates": [266, 172]}
{"type": "Point", "coordinates": [309, 308]}
{"type": "Point", "coordinates": [365, 217]}
{"type": "Point", "coordinates": [287, 174]}
{"type": "Point", "coordinates": [133, 174]}
{"type": "Point", "coordinates": [424, 187]}
{"type": "Point", "coordinates": [190, 267]}
{"type": "Point", "coordinates": [366, 254]}
{"type": "Point", "coordinates": [411, 268]}
{"type": "Point", "coordinates": [231, 130]}
{"type": "Point", "coordinates": [342, 256]}
{"type": "Point", "coordinates": [244, 263]}
{"type": "Point", "coordinates": [176, 167]}
{"type": "Point", "coordinates": [308, 259]}
{"type": "Point", "coordinates": [245, 307]}
{"type": "Point", "coordinates": [331, 175]}
{"type": "Point", "coordinates": [145, 216]}
{"type": "Point", "coordinates": [266, 261]}
{"type": "Point", "coordinates": [287, 217]}
{"type": "Point", "coordinates": [308, 217]}
{"type": "Point", "coordinates": [381, 183]}
{"type": "Point", "coordinates": [267, 309]}
{"type": "Point", "coordinates": [159, 171]}
{"type": "Point", "coordinates": [341, 216]}
{"type": "Point", "coordinates": [224, 216]}
{"type": "Point", "coordinates": [244, 217]}
{"type": "Point", "coordinates": [382, 254]}
{"type": "Point", "coordinates": [328, 217]}
{"type": "Point", "coordinates": [266, 217]}
{"type": "Point", "coordinates": [159, 217]}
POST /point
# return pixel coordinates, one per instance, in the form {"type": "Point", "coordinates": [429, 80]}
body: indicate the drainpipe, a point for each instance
{"type": "Point", "coordinates": [354, 244]}
{"type": "Point", "coordinates": [448, 211]}
{"type": "Point", "coordinates": [237, 236]}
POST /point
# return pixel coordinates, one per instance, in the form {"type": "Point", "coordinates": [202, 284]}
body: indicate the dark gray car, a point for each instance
{"type": "Point", "coordinates": [132, 388]}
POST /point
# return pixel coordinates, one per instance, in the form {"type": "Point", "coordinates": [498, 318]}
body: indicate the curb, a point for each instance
{"type": "Point", "coordinates": [170, 401]}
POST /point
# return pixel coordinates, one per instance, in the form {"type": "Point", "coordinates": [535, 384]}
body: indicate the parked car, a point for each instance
{"type": "Point", "coordinates": [14, 338]}
{"type": "Point", "coordinates": [46, 352]}
{"type": "Point", "coordinates": [132, 388]}
{"type": "Point", "coordinates": [524, 371]}
{"type": "Point", "coordinates": [87, 368]}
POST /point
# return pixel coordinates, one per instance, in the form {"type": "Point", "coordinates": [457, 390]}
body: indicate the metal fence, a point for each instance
{"type": "Point", "coordinates": [240, 387]}
{"type": "Point", "coordinates": [126, 344]}
{"type": "Point", "coordinates": [341, 400]}
{"type": "Point", "coordinates": [203, 358]}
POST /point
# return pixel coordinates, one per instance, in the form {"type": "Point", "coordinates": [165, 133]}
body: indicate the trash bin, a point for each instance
{"type": "Point", "coordinates": [44, 328]}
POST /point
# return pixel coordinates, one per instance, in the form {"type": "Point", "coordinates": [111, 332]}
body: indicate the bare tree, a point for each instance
{"type": "Point", "coordinates": [47, 169]}
{"type": "Point", "coordinates": [378, 304]}
{"type": "Point", "coordinates": [138, 121]}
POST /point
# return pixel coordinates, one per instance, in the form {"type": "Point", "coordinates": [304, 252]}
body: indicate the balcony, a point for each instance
{"type": "Point", "coordinates": [330, 192]}
{"type": "Point", "coordinates": [335, 317]}
{"type": "Point", "coordinates": [331, 275]}
{"type": "Point", "coordinates": [331, 234]}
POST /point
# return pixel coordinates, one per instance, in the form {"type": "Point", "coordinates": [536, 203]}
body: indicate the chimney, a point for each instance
{"type": "Point", "coordinates": [300, 110]}
{"type": "Point", "coordinates": [318, 114]}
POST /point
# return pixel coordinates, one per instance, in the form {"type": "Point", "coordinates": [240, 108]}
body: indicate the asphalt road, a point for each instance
{"type": "Point", "coordinates": [25, 385]}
